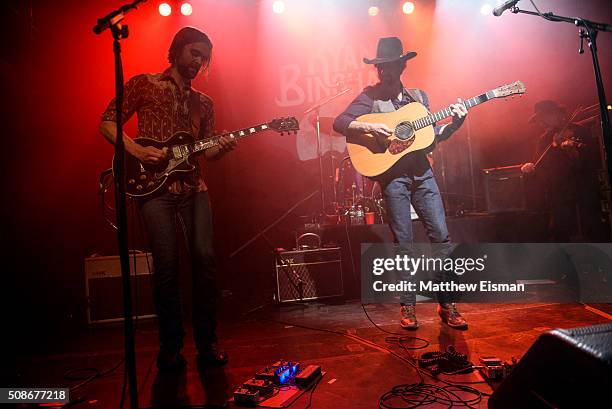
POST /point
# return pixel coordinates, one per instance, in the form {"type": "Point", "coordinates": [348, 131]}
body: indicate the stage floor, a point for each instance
{"type": "Point", "coordinates": [356, 373]}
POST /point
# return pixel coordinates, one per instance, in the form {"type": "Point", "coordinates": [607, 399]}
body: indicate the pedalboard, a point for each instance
{"type": "Point", "coordinates": [268, 380]}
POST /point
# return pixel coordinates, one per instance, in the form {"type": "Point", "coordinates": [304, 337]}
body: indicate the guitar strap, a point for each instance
{"type": "Point", "coordinates": [195, 114]}
{"type": "Point", "coordinates": [415, 94]}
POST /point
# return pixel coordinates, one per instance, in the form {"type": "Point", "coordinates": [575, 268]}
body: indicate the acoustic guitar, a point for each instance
{"type": "Point", "coordinates": [413, 129]}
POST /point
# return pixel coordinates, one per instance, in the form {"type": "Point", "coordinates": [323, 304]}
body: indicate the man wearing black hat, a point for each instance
{"type": "Point", "coordinates": [411, 179]}
{"type": "Point", "coordinates": [566, 163]}
{"type": "Point", "coordinates": [165, 104]}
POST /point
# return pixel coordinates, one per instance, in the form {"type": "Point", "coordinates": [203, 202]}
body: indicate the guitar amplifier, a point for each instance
{"type": "Point", "coordinates": [308, 274]}
{"type": "Point", "coordinates": [505, 189]}
{"type": "Point", "coordinates": [104, 290]}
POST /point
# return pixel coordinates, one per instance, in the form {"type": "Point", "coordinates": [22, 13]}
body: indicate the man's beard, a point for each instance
{"type": "Point", "coordinates": [187, 71]}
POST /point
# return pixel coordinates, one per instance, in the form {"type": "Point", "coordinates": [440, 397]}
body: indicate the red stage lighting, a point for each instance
{"type": "Point", "coordinates": [408, 7]}
{"type": "Point", "coordinates": [278, 7]}
{"type": "Point", "coordinates": [165, 9]}
{"type": "Point", "coordinates": [186, 9]}
{"type": "Point", "coordinates": [373, 11]}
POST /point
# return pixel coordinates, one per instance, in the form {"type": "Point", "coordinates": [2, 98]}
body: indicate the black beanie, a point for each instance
{"type": "Point", "coordinates": [186, 35]}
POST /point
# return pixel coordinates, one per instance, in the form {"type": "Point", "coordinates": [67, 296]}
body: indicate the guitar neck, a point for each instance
{"type": "Point", "coordinates": [447, 112]}
{"type": "Point", "coordinates": [208, 143]}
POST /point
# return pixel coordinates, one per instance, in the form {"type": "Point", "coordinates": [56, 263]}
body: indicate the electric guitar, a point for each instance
{"type": "Point", "coordinates": [143, 179]}
{"type": "Point", "coordinates": [413, 130]}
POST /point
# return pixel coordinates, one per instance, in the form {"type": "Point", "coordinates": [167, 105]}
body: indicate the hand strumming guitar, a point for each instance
{"type": "Point", "coordinates": [149, 154]}
{"type": "Point", "coordinates": [379, 131]}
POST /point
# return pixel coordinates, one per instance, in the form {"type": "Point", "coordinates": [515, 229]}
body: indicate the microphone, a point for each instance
{"type": "Point", "coordinates": [497, 11]}
{"type": "Point", "coordinates": [106, 22]}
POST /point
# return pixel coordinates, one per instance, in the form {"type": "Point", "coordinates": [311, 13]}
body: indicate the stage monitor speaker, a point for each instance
{"type": "Point", "coordinates": [104, 289]}
{"type": "Point", "coordinates": [562, 369]}
{"type": "Point", "coordinates": [505, 189]}
{"type": "Point", "coordinates": [308, 274]}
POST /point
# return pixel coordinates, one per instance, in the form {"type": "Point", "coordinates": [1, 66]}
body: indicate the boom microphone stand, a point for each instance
{"type": "Point", "coordinates": [316, 108]}
{"type": "Point", "coordinates": [113, 21]}
{"type": "Point", "coordinates": [588, 30]}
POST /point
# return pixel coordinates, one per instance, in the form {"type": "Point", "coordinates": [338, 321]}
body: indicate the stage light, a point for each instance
{"type": "Point", "coordinates": [186, 9]}
{"type": "Point", "coordinates": [165, 9]}
{"type": "Point", "coordinates": [486, 9]}
{"type": "Point", "coordinates": [408, 7]}
{"type": "Point", "coordinates": [373, 11]}
{"type": "Point", "coordinates": [278, 7]}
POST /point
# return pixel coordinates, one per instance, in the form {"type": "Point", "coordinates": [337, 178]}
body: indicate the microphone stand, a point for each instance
{"type": "Point", "coordinates": [113, 21]}
{"type": "Point", "coordinates": [316, 108]}
{"type": "Point", "coordinates": [589, 30]}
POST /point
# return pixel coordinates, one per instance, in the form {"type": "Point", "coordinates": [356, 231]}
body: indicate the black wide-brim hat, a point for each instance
{"type": "Point", "coordinates": [546, 107]}
{"type": "Point", "coordinates": [390, 49]}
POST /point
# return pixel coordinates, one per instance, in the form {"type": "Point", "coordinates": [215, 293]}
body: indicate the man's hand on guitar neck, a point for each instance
{"type": "Point", "coordinates": [225, 145]}
{"type": "Point", "coordinates": [459, 112]}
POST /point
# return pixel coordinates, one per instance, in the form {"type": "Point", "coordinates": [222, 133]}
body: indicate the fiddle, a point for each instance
{"type": "Point", "coordinates": [566, 138]}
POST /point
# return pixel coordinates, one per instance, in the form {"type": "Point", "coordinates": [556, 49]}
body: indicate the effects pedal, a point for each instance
{"type": "Point", "coordinates": [246, 397]}
{"type": "Point", "coordinates": [492, 368]}
{"type": "Point", "coordinates": [279, 373]}
{"type": "Point", "coordinates": [308, 375]}
{"type": "Point", "coordinates": [264, 387]}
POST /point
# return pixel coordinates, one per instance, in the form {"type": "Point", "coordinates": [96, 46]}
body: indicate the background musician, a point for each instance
{"type": "Point", "coordinates": [566, 165]}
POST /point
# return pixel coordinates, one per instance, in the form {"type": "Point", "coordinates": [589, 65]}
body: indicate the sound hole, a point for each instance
{"type": "Point", "coordinates": [404, 131]}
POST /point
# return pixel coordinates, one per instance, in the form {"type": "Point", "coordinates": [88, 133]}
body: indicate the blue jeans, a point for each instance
{"type": "Point", "coordinates": [423, 193]}
{"type": "Point", "coordinates": [191, 212]}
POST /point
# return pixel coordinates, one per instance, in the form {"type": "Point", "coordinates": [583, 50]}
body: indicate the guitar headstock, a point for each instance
{"type": "Point", "coordinates": [282, 125]}
{"type": "Point", "coordinates": [509, 89]}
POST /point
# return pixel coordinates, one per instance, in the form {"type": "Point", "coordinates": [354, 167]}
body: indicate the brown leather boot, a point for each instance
{"type": "Point", "coordinates": [450, 316]}
{"type": "Point", "coordinates": [408, 318]}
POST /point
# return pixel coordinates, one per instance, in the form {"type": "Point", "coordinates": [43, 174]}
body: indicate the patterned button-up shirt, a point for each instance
{"type": "Point", "coordinates": [162, 108]}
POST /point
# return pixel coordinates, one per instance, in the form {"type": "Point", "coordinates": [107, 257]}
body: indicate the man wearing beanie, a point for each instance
{"type": "Point", "coordinates": [165, 103]}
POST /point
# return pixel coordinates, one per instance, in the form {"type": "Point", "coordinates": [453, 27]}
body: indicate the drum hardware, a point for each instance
{"type": "Point", "coordinates": [301, 246]}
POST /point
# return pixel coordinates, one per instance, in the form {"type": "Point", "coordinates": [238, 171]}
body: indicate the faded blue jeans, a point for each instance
{"type": "Point", "coordinates": [423, 193]}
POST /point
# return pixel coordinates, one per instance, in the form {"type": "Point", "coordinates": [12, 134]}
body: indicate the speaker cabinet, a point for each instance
{"type": "Point", "coordinates": [104, 290]}
{"type": "Point", "coordinates": [562, 369]}
{"type": "Point", "coordinates": [505, 189]}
